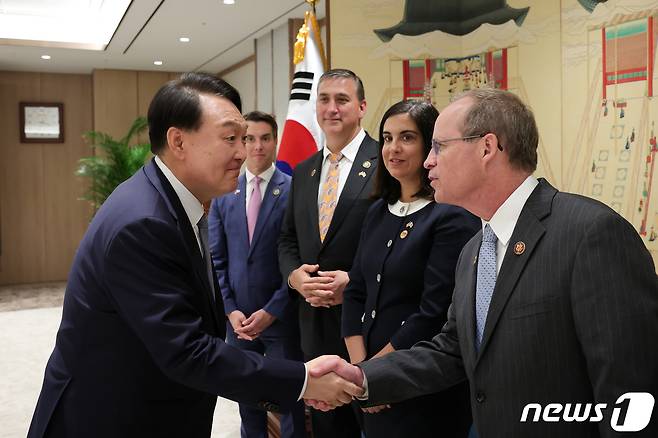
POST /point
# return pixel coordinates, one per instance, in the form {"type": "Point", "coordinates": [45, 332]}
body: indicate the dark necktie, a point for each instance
{"type": "Point", "coordinates": [203, 236]}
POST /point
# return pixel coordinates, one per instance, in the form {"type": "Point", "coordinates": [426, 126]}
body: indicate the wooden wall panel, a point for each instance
{"type": "Point", "coordinates": [42, 220]}
{"type": "Point", "coordinates": [67, 215]}
{"type": "Point", "coordinates": [148, 83]}
{"type": "Point", "coordinates": [115, 101]}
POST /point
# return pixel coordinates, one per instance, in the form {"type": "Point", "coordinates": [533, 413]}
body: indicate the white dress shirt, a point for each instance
{"type": "Point", "coordinates": [192, 206]}
{"type": "Point", "coordinates": [344, 165]}
{"type": "Point", "coordinates": [265, 178]}
{"type": "Point", "coordinates": [505, 218]}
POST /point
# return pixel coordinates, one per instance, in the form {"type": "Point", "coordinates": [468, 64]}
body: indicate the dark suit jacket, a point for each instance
{"type": "Point", "coordinates": [300, 243]}
{"type": "Point", "coordinates": [248, 275]}
{"type": "Point", "coordinates": [139, 351]}
{"type": "Point", "coordinates": [400, 288]}
{"type": "Point", "coordinates": [573, 319]}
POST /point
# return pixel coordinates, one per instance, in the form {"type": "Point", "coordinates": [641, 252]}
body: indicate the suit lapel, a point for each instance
{"type": "Point", "coordinates": [528, 230]}
{"type": "Point", "coordinates": [191, 243]}
{"type": "Point", "coordinates": [271, 197]}
{"type": "Point", "coordinates": [311, 195]}
{"type": "Point", "coordinates": [467, 283]}
{"type": "Point", "coordinates": [356, 181]}
{"type": "Point", "coordinates": [240, 211]}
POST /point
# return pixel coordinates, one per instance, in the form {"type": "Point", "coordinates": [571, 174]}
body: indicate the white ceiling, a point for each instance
{"type": "Point", "coordinates": [220, 35]}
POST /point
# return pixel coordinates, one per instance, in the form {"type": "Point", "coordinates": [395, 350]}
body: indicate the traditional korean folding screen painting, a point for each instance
{"type": "Point", "coordinates": [586, 67]}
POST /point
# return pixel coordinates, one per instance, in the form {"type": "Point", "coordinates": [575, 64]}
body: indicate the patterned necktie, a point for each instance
{"type": "Point", "coordinates": [486, 280]}
{"type": "Point", "coordinates": [254, 207]}
{"type": "Point", "coordinates": [328, 199]}
{"type": "Point", "coordinates": [203, 236]}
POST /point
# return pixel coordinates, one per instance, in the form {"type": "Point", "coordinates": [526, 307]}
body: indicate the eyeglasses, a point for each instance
{"type": "Point", "coordinates": [439, 145]}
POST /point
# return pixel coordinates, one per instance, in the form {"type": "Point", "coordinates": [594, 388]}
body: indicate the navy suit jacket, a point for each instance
{"type": "Point", "coordinates": [248, 275]}
{"type": "Point", "coordinates": [139, 351]}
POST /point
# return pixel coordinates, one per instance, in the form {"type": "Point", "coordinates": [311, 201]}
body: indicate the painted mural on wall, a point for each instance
{"type": "Point", "coordinates": [586, 67]}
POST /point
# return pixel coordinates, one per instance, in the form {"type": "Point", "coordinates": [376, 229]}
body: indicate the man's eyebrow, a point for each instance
{"type": "Point", "coordinates": [232, 124]}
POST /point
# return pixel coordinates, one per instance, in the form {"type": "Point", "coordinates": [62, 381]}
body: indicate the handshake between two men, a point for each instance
{"type": "Point", "coordinates": [332, 382]}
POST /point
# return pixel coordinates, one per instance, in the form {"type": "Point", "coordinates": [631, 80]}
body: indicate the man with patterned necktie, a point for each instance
{"type": "Point", "coordinates": [244, 229]}
{"type": "Point", "coordinates": [554, 317]}
{"type": "Point", "coordinates": [329, 198]}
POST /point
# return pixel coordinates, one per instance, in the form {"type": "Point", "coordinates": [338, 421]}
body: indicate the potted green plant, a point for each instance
{"type": "Point", "coordinates": [117, 162]}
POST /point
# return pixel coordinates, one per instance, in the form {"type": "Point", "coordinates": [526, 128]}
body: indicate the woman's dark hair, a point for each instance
{"type": "Point", "coordinates": [424, 115]}
{"type": "Point", "coordinates": [177, 104]}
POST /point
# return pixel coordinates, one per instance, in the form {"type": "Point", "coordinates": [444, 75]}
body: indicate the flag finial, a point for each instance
{"type": "Point", "coordinates": [312, 3]}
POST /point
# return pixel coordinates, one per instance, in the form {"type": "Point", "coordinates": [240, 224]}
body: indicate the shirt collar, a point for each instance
{"type": "Point", "coordinates": [265, 176]}
{"type": "Point", "coordinates": [351, 149]}
{"type": "Point", "coordinates": [193, 208]}
{"type": "Point", "coordinates": [402, 209]}
{"type": "Point", "coordinates": [504, 220]}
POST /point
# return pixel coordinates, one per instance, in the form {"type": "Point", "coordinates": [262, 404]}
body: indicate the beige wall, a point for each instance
{"type": "Point", "coordinates": [122, 95]}
{"type": "Point", "coordinates": [41, 218]}
{"type": "Point", "coordinates": [243, 78]}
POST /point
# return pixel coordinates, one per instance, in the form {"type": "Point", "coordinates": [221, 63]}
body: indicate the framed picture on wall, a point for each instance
{"type": "Point", "coordinates": [41, 122]}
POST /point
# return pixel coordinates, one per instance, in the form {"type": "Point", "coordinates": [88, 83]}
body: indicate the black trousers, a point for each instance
{"type": "Point", "coordinates": [338, 423]}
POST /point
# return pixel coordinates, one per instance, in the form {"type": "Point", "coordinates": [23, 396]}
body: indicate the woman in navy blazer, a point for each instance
{"type": "Point", "coordinates": [402, 278]}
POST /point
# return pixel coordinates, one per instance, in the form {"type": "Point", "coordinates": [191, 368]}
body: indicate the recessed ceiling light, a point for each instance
{"type": "Point", "coordinates": [157, 62]}
{"type": "Point", "coordinates": [229, 2]}
{"type": "Point", "coordinates": [45, 56]}
{"type": "Point", "coordinates": [184, 39]}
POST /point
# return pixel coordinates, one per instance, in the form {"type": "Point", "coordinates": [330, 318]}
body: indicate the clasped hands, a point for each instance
{"type": "Point", "coordinates": [332, 382]}
{"type": "Point", "coordinates": [323, 290]}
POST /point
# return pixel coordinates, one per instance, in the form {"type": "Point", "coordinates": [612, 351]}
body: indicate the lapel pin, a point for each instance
{"type": "Point", "coordinates": [519, 248]}
{"type": "Point", "coordinates": [367, 164]}
{"type": "Point", "coordinates": [409, 225]}
{"type": "Point", "coordinates": [276, 191]}
{"type": "Point", "coordinates": [475, 260]}
{"type": "Point", "coordinates": [313, 172]}
{"type": "Point", "coordinates": [362, 174]}
{"type": "Point", "coordinates": [404, 234]}
{"type": "Point", "coordinates": [237, 191]}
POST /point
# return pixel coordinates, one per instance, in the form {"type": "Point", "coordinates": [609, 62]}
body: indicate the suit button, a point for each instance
{"type": "Point", "coordinates": [480, 397]}
{"type": "Point", "coordinates": [390, 242]}
{"type": "Point", "coordinates": [379, 278]}
{"type": "Point", "coordinates": [373, 313]}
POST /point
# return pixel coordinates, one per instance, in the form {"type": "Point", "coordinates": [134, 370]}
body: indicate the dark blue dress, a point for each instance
{"type": "Point", "coordinates": [400, 289]}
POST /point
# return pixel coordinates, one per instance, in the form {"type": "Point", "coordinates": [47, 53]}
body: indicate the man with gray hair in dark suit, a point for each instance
{"type": "Point", "coordinates": [554, 315]}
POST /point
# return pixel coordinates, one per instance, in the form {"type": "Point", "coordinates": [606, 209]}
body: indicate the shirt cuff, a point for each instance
{"type": "Point", "coordinates": [364, 396]}
{"type": "Point", "coordinates": [306, 382]}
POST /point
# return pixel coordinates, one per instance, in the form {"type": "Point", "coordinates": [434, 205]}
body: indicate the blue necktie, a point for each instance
{"type": "Point", "coordinates": [486, 280]}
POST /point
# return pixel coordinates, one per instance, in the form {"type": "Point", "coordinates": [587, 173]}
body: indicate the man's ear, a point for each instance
{"type": "Point", "coordinates": [175, 142]}
{"type": "Point", "coordinates": [490, 144]}
{"type": "Point", "coordinates": [362, 107]}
